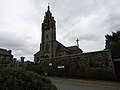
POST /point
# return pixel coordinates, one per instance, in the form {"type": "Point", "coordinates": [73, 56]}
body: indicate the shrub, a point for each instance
{"type": "Point", "coordinates": [12, 79]}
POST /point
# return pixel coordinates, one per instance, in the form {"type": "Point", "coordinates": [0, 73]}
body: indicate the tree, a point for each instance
{"type": "Point", "coordinates": [113, 43]}
{"type": "Point", "coordinates": [13, 79]}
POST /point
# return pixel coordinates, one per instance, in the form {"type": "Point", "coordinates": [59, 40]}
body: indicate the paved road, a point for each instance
{"type": "Point", "coordinates": [66, 84]}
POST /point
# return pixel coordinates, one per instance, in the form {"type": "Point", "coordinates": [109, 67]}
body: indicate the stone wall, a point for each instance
{"type": "Point", "coordinates": [95, 65]}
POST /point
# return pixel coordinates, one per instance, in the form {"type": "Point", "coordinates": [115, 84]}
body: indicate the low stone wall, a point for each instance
{"type": "Point", "coordinates": [94, 65]}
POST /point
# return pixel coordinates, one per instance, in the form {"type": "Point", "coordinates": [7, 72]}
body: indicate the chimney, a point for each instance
{"type": "Point", "coordinates": [14, 60]}
{"type": "Point", "coordinates": [22, 59]}
{"type": "Point", "coordinates": [10, 51]}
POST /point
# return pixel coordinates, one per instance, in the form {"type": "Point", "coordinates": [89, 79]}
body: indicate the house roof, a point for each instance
{"type": "Point", "coordinates": [4, 52]}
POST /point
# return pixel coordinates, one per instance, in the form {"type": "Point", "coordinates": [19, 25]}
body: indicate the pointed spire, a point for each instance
{"type": "Point", "coordinates": [48, 14]}
{"type": "Point", "coordinates": [48, 7]}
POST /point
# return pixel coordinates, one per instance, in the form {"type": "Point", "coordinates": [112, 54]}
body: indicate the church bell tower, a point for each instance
{"type": "Point", "coordinates": [48, 38]}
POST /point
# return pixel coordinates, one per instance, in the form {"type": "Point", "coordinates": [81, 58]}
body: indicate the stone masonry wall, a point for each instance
{"type": "Point", "coordinates": [95, 65]}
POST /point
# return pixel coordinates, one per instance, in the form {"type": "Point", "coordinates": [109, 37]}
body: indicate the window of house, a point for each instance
{"type": "Point", "coordinates": [1, 57]}
{"type": "Point", "coordinates": [7, 58]}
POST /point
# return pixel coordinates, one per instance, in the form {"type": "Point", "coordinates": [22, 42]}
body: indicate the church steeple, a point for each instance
{"type": "Point", "coordinates": [48, 14]}
{"type": "Point", "coordinates": [49, 46]}
{"type": "Point", "coordinates": [48, 34]}
{"type": "Point", "coordinates": [48, 7]}
{"type": "Point", "coordinates": [48, 21]}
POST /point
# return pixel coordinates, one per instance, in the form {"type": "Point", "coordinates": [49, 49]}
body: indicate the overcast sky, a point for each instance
{"type": "Point", "coordinates": [87, 20]}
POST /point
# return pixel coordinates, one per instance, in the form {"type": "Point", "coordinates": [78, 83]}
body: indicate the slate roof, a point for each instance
{"type": "Point", "coordinates": [75, 49]}
{"type": "Point", "coordinates": [65, 48]}
{"type": "Point", "coordinates": [71, 49]}
{"type": "Point", "coordinates": [37, 53]}
{"type": "Point", "coordinates": [4, 52]}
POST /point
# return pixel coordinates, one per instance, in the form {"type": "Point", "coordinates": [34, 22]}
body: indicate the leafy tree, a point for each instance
{"type": "Point", "coordinates": [12, 79]}
{"type": "Point", "coordinates": [113, 43]}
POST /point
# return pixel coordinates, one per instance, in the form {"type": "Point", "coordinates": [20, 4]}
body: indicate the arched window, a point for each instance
{"type": "Point", "coordinates": [37, 59]}
{"type": "Point", "coordinates": [46, 56]}
{"type": "Point", "coordinates": [47, 47]}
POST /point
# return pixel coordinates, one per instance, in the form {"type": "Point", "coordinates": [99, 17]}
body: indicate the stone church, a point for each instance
{"type": "Point", "coordinates": [49, 46]}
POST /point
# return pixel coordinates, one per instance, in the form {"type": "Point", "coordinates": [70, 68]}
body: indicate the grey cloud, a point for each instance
{"type": "Point", "coordinates": [113, 22]}
{"type": "Point", "coordinates": [70, 10]}
{"type": "Point", "coordinates": [87, 20]}
{"type": "Point", "coordinates": [86, 37]}
{"type": "Point", "coordinates": [20, 45]}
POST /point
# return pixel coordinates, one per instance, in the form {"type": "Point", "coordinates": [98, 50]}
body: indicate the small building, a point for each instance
{"type": "Point", "coordinates": [5, 56]}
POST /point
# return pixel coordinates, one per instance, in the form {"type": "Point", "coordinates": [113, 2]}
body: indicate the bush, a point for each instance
{"type": "Point", "coordinates": [12, 79]}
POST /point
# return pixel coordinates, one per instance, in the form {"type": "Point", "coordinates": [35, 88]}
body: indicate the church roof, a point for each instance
{"type": "Point", "coordinates": [37, 53]}
{"type": "Point", "coordinates": [71, 49]}
{"type": "Point", "coordinates": [65, 48]}
{"type": "Point", "coordinates": [74, 49]}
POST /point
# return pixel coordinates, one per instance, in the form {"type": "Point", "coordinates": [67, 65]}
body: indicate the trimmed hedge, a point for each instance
{"type": "Point", "coordinates": [12, 79]}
